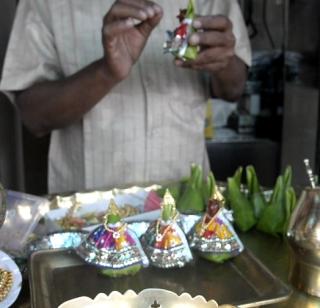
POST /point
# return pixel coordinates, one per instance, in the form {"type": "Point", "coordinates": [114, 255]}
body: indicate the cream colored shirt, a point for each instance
{"type": "Point", "coordinates": [149, 128]}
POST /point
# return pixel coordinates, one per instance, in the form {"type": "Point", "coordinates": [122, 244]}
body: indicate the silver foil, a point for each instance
{"type": "Point", "coordinates": [186, 222]}
{"type": "Point", "coordinates": [69, 239]}
{"type": "Point", "coordinates": [139, 228]}
{"type": "Point", "coordinates": [109, 258]}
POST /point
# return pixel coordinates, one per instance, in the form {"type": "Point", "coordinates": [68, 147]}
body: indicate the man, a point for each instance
{"type": "Point", "coordinates": [120, 111]}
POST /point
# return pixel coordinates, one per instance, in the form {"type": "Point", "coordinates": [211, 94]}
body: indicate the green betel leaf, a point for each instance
{"type": "Point", "coordinates": [191, 9]}
{"type": "Point", "coordinates": [237, 176]}
{"type": "Point", "coordinates": [259, 204]}
{"type": "Point", "coordinates": [191, 53]}
{"type": "Point", "coordinates": [270, 222]}
{"type": "Point", "coordinates": [217, 258]}
{"type": "Point", "coordinates": [242, 210]}
{"type": "Point", "coordinates": [194, 176]}
{"type": "Point", "coordinates": [254, 192]}
{"type": "Point", "coordinates": [288, 177]}
{"type": "Point", "coordinates": [252, 180]}
{"type": "Point", "coordinates": [278, 191]}
{"type": "Point", "coordinates": [208, 187]}
{"type": "Point", "coordinates": [191, 199]}
{"type": "Point", "coordinates": [198, 177]}
{"type": "Point", "coordinates": [273, 217]}
{"type": "Point", "coordinates": [237, 180]}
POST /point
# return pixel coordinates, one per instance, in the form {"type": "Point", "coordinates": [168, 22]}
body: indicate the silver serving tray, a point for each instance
{"type": "Point", "coordinates": [59, 275]}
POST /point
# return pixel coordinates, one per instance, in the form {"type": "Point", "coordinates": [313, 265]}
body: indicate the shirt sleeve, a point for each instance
{"type": "Point", "coordinates": [232, 10]}
{"type": "Point", "coordinates": [31, 55]}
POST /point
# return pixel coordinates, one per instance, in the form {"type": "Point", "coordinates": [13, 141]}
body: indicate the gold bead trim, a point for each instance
{"type": "Point", "coordinates": [6, 282]}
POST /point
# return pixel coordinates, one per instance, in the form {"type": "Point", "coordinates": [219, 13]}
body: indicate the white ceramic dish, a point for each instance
{"type": "Point", "coordinates": [8, 264]}
{"type": "Point", "coordinates": [147, 298]}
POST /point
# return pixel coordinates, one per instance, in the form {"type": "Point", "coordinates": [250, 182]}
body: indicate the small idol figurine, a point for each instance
{"type": "Point", "coordinates": [113, 247]}
{"type": "Point", "coordinates": [213, 236]}
{"type": "Point", "coordinates": [164, 241]}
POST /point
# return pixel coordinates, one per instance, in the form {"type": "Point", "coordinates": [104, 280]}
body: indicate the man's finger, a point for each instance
{"type": "Point", "coordinates": [212, 67]}
{"type": "Point", "coordinates": [121, 9]}
{"type": "Point", "coordinates": [212, 55]}
{"type": "Point", "coordinates": [148, 25]}
{"type": "Point", "coordinates": [110, 30]}
{"type": "Point", "coordinates": [212, 38]}
{"type": "Point", "coordinates": [139, 3]}
{"type": "Point", "coordinates": [217, 23]}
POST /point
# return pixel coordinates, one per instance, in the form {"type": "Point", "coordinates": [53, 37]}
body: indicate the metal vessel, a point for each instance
{"type": "Point", "coordinates": [304, 240]}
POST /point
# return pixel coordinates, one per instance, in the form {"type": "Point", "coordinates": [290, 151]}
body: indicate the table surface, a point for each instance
{"type": "Point", "coordinates": [273, 252]}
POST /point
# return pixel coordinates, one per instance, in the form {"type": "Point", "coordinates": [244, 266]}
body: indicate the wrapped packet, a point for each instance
{"type": "Point", "coordinates": [164, 241]}
{"type": "Point", "coordinates": [177, 40]}
{"type": "Point", "coordinates": [113, 247]}
{"type": "Point", "coordinates": [213, 236]}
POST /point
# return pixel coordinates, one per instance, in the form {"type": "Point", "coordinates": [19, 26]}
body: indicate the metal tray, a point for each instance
{"type": "Point", "coordinates": [59, 275]}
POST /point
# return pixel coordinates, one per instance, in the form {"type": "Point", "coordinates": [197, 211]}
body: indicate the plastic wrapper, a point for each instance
{"type": "Point", "coordinates": [164, 241]}
{"type": "Point", "coordinates": [58, 240]}
{"type": "Point", "coordinates": [213, 235]}
{"type": "Point", "coordinates": [113, 247]}
{"type": "Point", "coordinates": [21, 218]}
{"type": "Point", "coordinates": [177, 40]}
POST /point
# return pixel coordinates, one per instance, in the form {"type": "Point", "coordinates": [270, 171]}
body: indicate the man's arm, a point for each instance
{"type": "Point", "coordinates": [56, 104]}
{"type": "Point", "coordinates": [229, 82]}
{"type": "Point", "coordinates": [217, 56]}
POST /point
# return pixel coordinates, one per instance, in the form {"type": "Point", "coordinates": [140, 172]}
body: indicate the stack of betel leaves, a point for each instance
{"type": "Point", "coordinates": [251, 207]}
{"type": "Point", "coordinates": [250, 204]}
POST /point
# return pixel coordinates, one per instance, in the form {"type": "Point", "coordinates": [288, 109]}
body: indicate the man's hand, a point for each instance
{"type": "Point", "coordinates": [217, 56]}
{"type": "Point", "coordinates": [216, 41]}
{"type": "Point", "coordinates": [126, 28]}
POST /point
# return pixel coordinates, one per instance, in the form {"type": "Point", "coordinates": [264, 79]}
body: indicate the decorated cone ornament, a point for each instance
{"type": "Point", "coordinates": [164, 241]}
{"type": "Point", "coordinates": [213, 236]}
{"type": "Point", "coordinates": [113, 246]}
